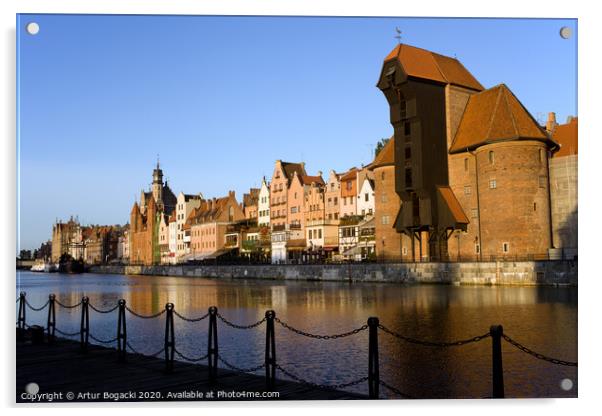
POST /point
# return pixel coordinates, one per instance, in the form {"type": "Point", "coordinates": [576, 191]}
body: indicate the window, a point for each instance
{"type": "Point", "coordinates": [336, 215]}
{"type": "Point", "coordinates": [363, 212]}
{"type": "Point", "coordinates": [349, 185]}
{"type": "Point", "coordinates": [385, 220]}
{"type": "Point", "coordinates": [383, 198]}
{"type": "Point", "coordinates": [477, 248]}
{"type": "Point", "coordinates": [475, 213]}
{"type": "Point", "coordinates": [542, 181]}
{"type": "Point", "coordinates": [403, 108]}
{"type": "Point", "coordinates": [491, 157]}
{"type": "Point", "coordinates": [370, 212]}
{"type": "Point", "coordinates": [382, 176]}
{"type": "Point", "coordinates": [466, 164]}
{"type": "Point", "coordinates": [310, 234]}
{"type": "Point", "coordinates": [404, 251]}
{"type": "Point", "coordinates": [408, 177]}
{"type": "Point", "coordinates": [505, 247]}
{"type": "Point", "coordinates": [467, 190]}
{"type": "Point", "coordinates": [319, 233]}
{"type": "Point", "coordinates": [366, 197]}
{"type": "Point", "coordinates": [408, 153]}
{"type": "Point", "coordinates": [492, 184]}
{"type": "Point", "coordinates": [541, 155]}
{"type": "Point", "coordinates": [407, 129]}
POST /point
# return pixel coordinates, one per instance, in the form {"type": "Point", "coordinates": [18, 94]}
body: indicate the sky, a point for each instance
{"type": "Point", "coordinates": [219, 99]}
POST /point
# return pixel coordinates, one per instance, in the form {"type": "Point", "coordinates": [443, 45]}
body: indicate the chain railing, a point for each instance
{"type": "Point", "coordinates": [431, 343]}
{"type": "Point", "coordinates": [321, 386]}
{"type": "Point", "coordinates": [538, 355]}
{"type": "Point", "coordinates": [270, 364]}
{"type": "Point", "coordinates": [233, 325]}
{"type": "Point", "coordinates": [317, 336]}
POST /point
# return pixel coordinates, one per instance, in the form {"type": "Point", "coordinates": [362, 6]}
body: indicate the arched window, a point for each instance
{"type": "Point", "coordinates": [491, 157]}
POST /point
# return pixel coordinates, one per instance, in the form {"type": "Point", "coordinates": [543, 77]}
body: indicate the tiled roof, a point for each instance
{"type": "Point", "coordinates": [495, 115]}
{"type": "Point", "coordinates": [420, 63]}
{"type": "Point", "coordinates": [566, 136]}
{"type": "Point", "coordinates": [290, 169]}
{"type": "Point", "coordinates": [208, 211]}
{"type": "Point", "coordinates": [350, 174]}
{"type": "Point", "coordinates": [386, 156]}
{"type": "Point", "coordinates": [308, 180]}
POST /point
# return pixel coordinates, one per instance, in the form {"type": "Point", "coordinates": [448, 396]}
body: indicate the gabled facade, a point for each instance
{"type": "Point", "coordinates": [348, 200]}
{"type": "Point", "coordinates": [365, 195]}
{"type": "Point", "coordinates": [332, 196]}
{"type": "Point", "coordinates": [263, 204]}
{"type": "Point", "coordinates": [185, 204]}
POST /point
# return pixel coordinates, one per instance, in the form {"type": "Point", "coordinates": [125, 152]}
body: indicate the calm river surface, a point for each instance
{"type": "Point", "coordinates": [542, 318]}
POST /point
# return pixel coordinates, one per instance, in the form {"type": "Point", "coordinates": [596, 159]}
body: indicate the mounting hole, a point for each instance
{"type": "Point", "coordinates": [566, 384]}
{"type": "Point", "coordinates": [32, 28]}
{"type": "Point", "coordinates": [565, 32]}
{"type": "Point", "coordinates": [32, 388]}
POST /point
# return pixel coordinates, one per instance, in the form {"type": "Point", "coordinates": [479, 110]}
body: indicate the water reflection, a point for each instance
{"type": "Point", "coordinates": [543, 318]}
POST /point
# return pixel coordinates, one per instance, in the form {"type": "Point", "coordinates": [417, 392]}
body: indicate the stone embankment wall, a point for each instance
{"type": "Point", "coordinates": [493, 273]}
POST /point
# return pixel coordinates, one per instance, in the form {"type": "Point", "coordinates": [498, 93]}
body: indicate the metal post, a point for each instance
{"type": "Point", "coordinates": [212, 350]}
{"type": "Point", "coordinates": [84, 328]}
{"type": "Point", "coordinates": [270, 350]}
{"type": "Point", "coordinates": [170, 341]}
{"type": "Point", "coordinates": [21, 318]}
{"type": "Point", "coordinates": [496, 332]}
{"type": "Point", "coordinates": [121, 332]}
{"type": "Point", "coordinates": [51, 324]}
{"type": "Point", "coordinates": [373, 373]}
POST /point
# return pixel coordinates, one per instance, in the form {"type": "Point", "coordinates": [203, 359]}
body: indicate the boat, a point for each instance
{"type": "Point", "coordinates": [44, 267]}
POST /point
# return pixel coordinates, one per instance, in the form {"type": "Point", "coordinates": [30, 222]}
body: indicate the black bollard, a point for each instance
{"type": "Point", "coordinates": [21, 318]}
{"type": "Point", "coordinates": [496, 332]}
{"type": "Point", "coordinates": [51, 324]}
{"type": "Point", "coordinates": [84, 328]}
{"type": "Point", "coordinates": [270, 350]}
{"type": "Point", "coordinates": [373, 372]}
{"type": "Point", "coordinates": [212, 346]}
{"type": "Point", "coordinates": [170, 341]}
{"type": "Point", "coordinates": [121, 332]}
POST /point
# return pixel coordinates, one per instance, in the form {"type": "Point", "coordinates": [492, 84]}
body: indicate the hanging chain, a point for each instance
{"type": "Point", "coordinates": [394, 390]}
{"type": "Point", "coordinates": [156, 315]}
{"type": "Point", "coordinates": [307, 334]}
{"type": "Point", "coordinates": [233, 325]}
{"type": "Point", "coordinates": [190, 319]}
{"type": "Point", "coordinates": [140, 353]}
{"type": "Point", "coordinates": [194, 360]}
{"type": "Point", "coordinates": [538, 355]}
{"type": "Point", "coordinates": [62, 305]}
{"type": "Point", "coordinates": [36, 309]}
{"type": "Point", "coordinates": [235, 368]}
{"type": "Point", "coordinates": [102, 341]}
{"type": "Point", "coordinates": [435, 344]}
{"type": "Point", "coordinates": [103, 310]}
{"type": "Point", "coordinates": [67, 334]}
{"type": "Point", "coordinates": [322, 386]}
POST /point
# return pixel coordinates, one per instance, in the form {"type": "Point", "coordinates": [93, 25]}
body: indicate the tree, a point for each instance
{"type": "Point", "coordinates": [380, 145]}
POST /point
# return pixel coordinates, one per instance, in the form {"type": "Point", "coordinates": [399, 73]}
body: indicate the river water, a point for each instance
{"type": "Point", "coordinates": [541, 318]}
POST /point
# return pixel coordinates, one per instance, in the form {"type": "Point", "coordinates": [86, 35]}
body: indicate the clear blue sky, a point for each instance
{"type": "Point", "coordinates": [221, 98]}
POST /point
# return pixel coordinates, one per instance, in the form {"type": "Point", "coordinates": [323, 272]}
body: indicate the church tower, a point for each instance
{"type": "Point", "coordinates": [157, 187]}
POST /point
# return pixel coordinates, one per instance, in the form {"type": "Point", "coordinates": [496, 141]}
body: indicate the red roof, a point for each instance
{"type": "Point", "coordinates": [495, 115]}
{"type": "Point", "coordinates": [420, 63]}
{"type": "Point", "coordinates": [566, 136]}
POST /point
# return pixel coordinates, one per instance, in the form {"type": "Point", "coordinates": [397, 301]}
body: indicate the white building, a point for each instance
{"type": "Point", "coordinates": [365, 196]}
{"type": "Point", "coordinates": [263, 205]}
{"type": "Point", "coordinates": [173, 241]}
{"type": "Point", "coordinates": [185, 204]}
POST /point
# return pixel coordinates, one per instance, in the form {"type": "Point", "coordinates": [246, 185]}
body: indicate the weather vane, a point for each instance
{"type": "Point", "coordinates": [398, 36]}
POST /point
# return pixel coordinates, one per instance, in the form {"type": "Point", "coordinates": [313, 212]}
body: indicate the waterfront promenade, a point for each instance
{"type": "Point", "coordinates": [542, 272]}
{"type": "Point", "coordinates": [97, 375]}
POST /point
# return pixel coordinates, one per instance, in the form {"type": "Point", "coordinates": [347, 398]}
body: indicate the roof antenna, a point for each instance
{"type": "Point", "coordinates": [398, 36]}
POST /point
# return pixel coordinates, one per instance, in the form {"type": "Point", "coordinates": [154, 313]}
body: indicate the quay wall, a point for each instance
{"type": "Point", "coordinates": [557, 272]}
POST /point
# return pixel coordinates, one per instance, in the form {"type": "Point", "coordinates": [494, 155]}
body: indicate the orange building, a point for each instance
{"type": "Point", "coordinates": [208, 224]}
{"type": "Point", "coordinates": [348, 201]}
{"type": "Point", "coordinates": [145, 219]}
